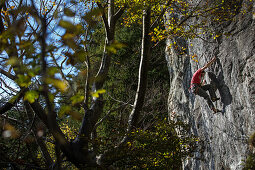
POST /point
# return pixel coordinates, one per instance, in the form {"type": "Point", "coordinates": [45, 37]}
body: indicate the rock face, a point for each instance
{"type": "Point", "coordinates": [224, 135]}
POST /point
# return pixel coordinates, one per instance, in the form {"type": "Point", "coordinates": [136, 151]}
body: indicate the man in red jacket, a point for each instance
{"type": "Point", "coordinates": [198, 87]}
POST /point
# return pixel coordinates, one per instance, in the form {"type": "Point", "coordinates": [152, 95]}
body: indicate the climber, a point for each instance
{"type": "Point", "coordinates": [198, 88]}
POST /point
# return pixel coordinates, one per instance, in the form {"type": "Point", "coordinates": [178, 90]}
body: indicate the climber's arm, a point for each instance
{"type": "Point", "coordinates": [209, 63]}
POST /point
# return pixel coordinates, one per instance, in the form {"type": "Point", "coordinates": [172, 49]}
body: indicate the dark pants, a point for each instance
{"type": "Point", "coordinates": [201, 91]}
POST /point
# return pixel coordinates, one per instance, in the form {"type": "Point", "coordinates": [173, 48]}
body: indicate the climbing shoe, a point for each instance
{"type": "Point", "coordinates": [215, 99]}
{"type": "Point", "coordinates": [216, 110]}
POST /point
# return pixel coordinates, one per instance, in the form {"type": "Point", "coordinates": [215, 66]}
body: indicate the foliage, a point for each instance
{"type": "Point", "coordinates": [250, 162]}
{"type": "Point", "coordinates": [252, 140]}
{"type": "Point", "coordinates": [158, 147]}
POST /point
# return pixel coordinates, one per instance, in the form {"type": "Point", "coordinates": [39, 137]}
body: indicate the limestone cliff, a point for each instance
{"type": "Point", "coordinates": [224, 135]}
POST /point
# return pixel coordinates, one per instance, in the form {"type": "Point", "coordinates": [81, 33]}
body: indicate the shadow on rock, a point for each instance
{"type": "Point", "coordinates": [225, 95]}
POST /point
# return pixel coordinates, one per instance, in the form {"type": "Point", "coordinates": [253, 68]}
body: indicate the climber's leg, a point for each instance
{"type": "Point", "coordinates": [213, 77]}
{"type": "Point", "coordinates": [214, 85]}
{"type": "Point", "coordinates": [201, 92]}
{"type": "Point", "coordinates": [211, 88]}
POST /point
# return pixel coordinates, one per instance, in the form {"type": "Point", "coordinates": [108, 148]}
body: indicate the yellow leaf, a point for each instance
{"type": "Point", "coordinates": [68, 36]}
{"type": "Point", "coordinates": [98, 92]}
{"type": "Point", "coordinates": [77, 99]}
{"type": "Point", "coordinates": [101, 91]}
{"type": "Point", "coordinates": [59, 84]}
{"type": "Point", "coordinates": [96, 95]}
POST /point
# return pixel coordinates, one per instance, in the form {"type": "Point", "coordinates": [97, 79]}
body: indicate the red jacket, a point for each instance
{"type": "Point", "coordinates": [197, 79]}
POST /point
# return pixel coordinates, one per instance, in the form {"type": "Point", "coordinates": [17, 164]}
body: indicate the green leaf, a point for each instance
{"type": "Point", "coordinates": [92, 15]}
{"type": "Point", "coordinates": [31, 73]}
{"type": "Point", "coordinates": [70, 27]}
{"type": "Point", "coordinates": [111, 49]}
{"type": "Point", "coordinates": [115, 46]}
{"type": "Point", "coordinates": [12, 61]}
{"type": "Point", "coordinates": [77, 99]}
{"type": "Point", "coordinates": [52, 71]}
{"type": "Point", "coordinates": [76, 115]}
{"type": "Point", "coordinates": [68, 36]}
{"type": "Point", "coordinates": [95, 94]}
{"type": "Point", "coordinates": [55, 14]}
{"type": "Point", "coordinates": [101, 91]}
{"type": "Point", "coordinates": [69, 12]}
{"type": "Point", "coordinates": [64, 110]}
{"type": "Point", "coordinates": [25, 44]}
{"type": "Point", "coordinates": [67, 110]}
{"type": "Point", "coordinates": [80, 55]}
{"type": "Point", "coordinates": [67, 25]}
{"type": "Point", "coordinates": [31, 96]}
{"type": "Point", "coordinates": [23, 80]}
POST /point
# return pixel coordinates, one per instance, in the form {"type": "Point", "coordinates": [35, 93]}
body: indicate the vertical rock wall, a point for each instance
{"type": "Point", "coordinates": [224, 135]}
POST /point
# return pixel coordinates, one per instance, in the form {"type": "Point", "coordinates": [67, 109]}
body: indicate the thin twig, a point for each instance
{"type": "Point", "coordinates": [127, 103]}
{"type": "Point", "coordinates": [11, 119]}
{"type": "Point", "coordinates": [108, 113]}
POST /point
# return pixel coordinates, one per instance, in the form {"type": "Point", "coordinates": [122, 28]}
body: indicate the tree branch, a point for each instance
{"type": "Point", "coordinates": [143, 71]}
{"type": "Point", "coordinates": [106, 25]}
{"type": "Point", "coordinates": [56, 131]}
{"type": "Point", "coordinates": [87, 63]}
{"type": "Point", "coordinates": [12, 102]}
{"type": "Point", "coordinates": [8, 87]}
{"type": "Point", "coordinates": [108, 113]}
{"type": "Point", "coordinates": [118, 14]}
{"type": "Point", "coordinates": [11, 119]}
{"type": "Point", "coordinates": [7, 74]}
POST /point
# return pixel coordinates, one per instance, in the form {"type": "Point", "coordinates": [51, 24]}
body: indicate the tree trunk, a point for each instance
{"type": "Point", "coordinates": [109, 157]}
{"type": "Point", "coordinates": [143, 71]}
{"type": "Point", "coordinates": [93, 114]}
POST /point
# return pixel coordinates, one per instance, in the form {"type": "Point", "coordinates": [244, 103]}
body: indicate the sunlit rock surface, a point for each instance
{"type": "Point", "coordinates": [224, 135]}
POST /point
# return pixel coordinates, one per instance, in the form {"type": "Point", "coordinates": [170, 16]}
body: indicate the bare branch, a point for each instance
{"type": "Point", "coordinates": [7, 74]}
{"type": "Point", "coordinates": [54, 128]}
{"type": "Point", "coordinates": [108, 113]}
{"type": "Point", "coordinates": [8, 87]}
{"type": "Point", "coordinates": [107, 27]}
{"type": "Point", "coordinates": [12, 101]}
{"type": "Point", "coordinates": [11, 119]}
{"type": "Point", "coordinates": [118, 14]}
{"type": "Point", "coordinates": [57, 7]}
{"type": "Point", "coordinates": [126, 103]}
{"type": "Point", "coordinates": [87, 63]}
